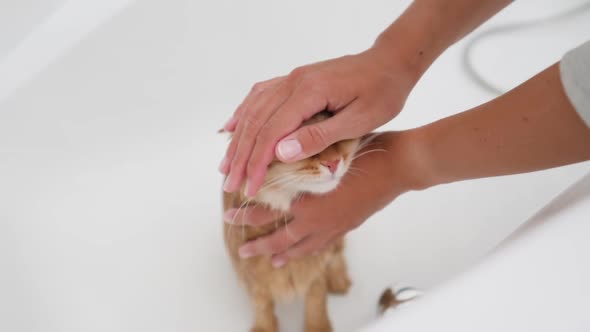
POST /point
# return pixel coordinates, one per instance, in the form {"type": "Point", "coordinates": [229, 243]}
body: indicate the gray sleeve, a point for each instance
{"type": "Point", "coordinates": [575, 76]}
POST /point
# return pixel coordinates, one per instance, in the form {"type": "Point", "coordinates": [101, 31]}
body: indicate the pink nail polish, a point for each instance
{"type": "Point", "coordinates": [229, 215]}
{"type": "Point", "coordinates": [229, 123]}
{"type": "Point", "coordinates": [278, 263]}
{"type": "Point", "coordinates": [227, 185]}
{"type": "Point", "coordinates": [248, 190]}
{"type": "Point", "coordinates": [289, 149]}
{"type": "Point", "coordinates": [245, 252]}
{"type": "Point", "coordinates": [223, 165]}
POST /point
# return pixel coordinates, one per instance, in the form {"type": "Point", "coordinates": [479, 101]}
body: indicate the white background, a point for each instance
{"type": "Point", "coordinates": [110, 216]}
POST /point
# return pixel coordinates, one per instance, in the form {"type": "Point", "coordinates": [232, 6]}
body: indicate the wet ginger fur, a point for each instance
{"type": "Point", "coordinates": [311, 277]}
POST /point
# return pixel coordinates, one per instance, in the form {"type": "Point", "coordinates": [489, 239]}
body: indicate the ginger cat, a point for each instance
{"type": "Point", "coordinates": [311, 277]}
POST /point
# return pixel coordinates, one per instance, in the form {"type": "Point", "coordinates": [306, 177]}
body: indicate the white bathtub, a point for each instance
{"type": "Point", "coordinates": [109, 191]}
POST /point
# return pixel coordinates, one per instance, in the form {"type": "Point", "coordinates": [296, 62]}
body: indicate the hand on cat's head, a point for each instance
{"type": "Point", "coordinates": [316, 174]}
{"type": "Point", "coordinates": [364, 91]}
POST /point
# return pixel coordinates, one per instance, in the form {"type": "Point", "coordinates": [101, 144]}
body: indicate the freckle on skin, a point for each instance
{"type": "Point", "coordinates": [525, 119]}
{"type": "Point", "coordinates": [421, 53]}
{"type": "Point", "coordinates": [476, 129]}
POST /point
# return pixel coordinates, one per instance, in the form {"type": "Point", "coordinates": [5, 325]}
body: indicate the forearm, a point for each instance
{"type": "Point", "coordinates": [533, 127]}
{"type": "Point", "coordinates": [428, 27]}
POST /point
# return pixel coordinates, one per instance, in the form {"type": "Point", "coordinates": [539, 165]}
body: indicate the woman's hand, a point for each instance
{"type": "Point", "coordinates": [319, 220]}
{"type": "Point", "coordinates": [364, 91]}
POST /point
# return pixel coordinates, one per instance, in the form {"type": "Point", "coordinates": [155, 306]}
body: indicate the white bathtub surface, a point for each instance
{"type": "Point", "coordinates": [110, 216]}
{"type": "Point", "coordinates": [537, 281]}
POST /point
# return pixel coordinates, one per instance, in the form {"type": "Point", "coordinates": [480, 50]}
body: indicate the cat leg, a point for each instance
{"type": "Point", "coordinates": [337, 274]}
{"type": "Point", "coordinates": [316, 310]}
{"type": "Point", "coordinates": [265, 319]}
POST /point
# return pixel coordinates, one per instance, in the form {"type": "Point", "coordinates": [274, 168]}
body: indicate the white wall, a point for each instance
{"type": "Point", "coordinates": [110, 199]}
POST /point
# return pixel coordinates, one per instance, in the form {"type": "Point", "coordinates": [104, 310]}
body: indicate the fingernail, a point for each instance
{"type": "Point", "coordinates": [229, 215]}
{"type": "Point", "coordinates": [229, 123]}
{"type": "Point", "coordinates": [278, 262]}
{"type": "Point", "coordinates": [289, 149]}
{"type": "Point", "coordinates": [245, 252]}
{"type": "Point", "coordinates": [227, 185]}
{"type": "Point", "coordinates": [247, 190]}
{"type": "Point", "coordinates": [223, 165]}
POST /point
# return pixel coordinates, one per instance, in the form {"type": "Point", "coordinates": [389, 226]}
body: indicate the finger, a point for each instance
{"type": "Point", "coordinates": [233, 147]}
{"type": "Point", "coordinates": [279, 241]}
{"type": "Point", "coordinates": [251, 216]}
{"type": "Point", "coordinates": [231, 125]}
{"type": "Point", "coordinates": [256, 90]}
{"type": "Point", "coordinates": [312, 139]}
{"type": "Point", "coordinates": [248, 129]}
{"type": "Point", "coordinates": [229, 153]}
{"type": "Point", "coordinates": [305, 247]}
{"type": "Point", "coordinates": [301, 105]}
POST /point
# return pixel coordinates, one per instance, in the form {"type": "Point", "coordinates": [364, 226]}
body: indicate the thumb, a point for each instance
{"type": "Point", "coordinates": [312, 139]}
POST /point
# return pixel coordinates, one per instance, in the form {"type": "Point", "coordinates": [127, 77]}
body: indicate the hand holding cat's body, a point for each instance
{"type": "Point", "coordinates": [378, 176]}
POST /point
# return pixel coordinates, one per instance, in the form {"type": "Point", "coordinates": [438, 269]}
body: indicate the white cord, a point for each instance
{"type": "Point", "coordinates": [467, 60]}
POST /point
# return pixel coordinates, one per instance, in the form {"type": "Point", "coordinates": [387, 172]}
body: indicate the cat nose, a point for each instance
{"type": "Point", "coordinates": [332, 165]}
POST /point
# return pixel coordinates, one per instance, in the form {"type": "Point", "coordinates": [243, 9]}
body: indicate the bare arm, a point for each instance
{"type": "Point", "coordinates": [533, 127]}
{"type": "Point", "coordinates": [428, 27]}
{"type": "Point", "coordinates": [365, 90]}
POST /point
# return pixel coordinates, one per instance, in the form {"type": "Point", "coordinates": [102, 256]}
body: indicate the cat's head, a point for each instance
{"type": "Point", "coordinates": [317, 174]}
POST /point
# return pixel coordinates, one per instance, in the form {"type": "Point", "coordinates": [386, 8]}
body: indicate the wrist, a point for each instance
{"type": "Point", "coordinates": [393, 163]}
{"type": "Point", "coordinates": [410, 160]}
{"type": "Point", "coordinates": [414, 39]}
{"type": "Point", "coordinates": [393, 61]}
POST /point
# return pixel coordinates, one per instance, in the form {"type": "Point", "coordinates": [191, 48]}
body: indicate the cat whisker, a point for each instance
{"type": "Point", "coordinates": [286, 224]}
{"type": "Point", "coordinates": [277, 180]}
{"type": "Point", "coordinates": [367, 152]}
{"type": "Point", "coordinates": [354, 173]}
{"type": "Point", "coordinates": [367, 141]}
{"type": "Point", "coordinates": [244, 212]}
{"type": "Point", "coordinates": [288, 179]}
{"type": "Point", "coordinates": [232, 222]}
{"type": "Point", "coordinates": [271, 181]}
{"type": "Point", "coordinates": [365, 145]}
{"type": "Point", "coordinates": [285, 180]}
{"type": "Point", "coordinates": [356, 169]}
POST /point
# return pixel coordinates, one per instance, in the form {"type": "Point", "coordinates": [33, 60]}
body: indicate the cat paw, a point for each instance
{"type": "Point", "coordinates": [339, 284]}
